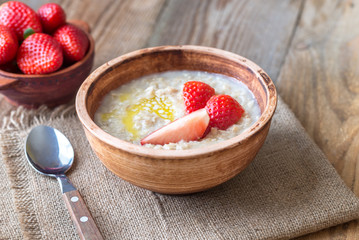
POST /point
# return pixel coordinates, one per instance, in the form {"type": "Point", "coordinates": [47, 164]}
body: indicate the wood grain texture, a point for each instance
{"type": "Point", "coordinates": [258, 30]}
{"type": "Point", "coordinates": [319, 81]}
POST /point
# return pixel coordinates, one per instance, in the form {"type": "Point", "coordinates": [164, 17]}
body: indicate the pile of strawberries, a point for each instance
{"type": "Point", "coordinates": [204, 111]}
{"type": "Point", "coordinates": [38, 42]}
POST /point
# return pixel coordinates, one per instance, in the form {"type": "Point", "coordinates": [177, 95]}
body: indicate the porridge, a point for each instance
{"type": "Point", "coordinates": [144, 105]}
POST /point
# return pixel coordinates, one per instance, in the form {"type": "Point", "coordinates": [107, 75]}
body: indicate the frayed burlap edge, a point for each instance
{"type": "Point", "coordinates": [12, 149]}
{"type": "Point", "coordinates": [21, 118]}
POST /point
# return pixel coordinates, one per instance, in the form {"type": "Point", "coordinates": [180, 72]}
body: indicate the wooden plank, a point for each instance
{"type": "Point", "coordinates": [319, 81]}
{"type": "Point", "coordinates": [117, 26]}
{"type": "Point", "coordinates": [258, 30]}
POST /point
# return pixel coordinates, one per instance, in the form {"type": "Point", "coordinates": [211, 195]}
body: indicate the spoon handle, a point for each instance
{"type": "Point", "coordinates": [81, 216]}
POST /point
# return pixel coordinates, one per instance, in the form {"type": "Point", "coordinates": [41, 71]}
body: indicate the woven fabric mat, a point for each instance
{"type": "Point", "coordinates": [290, 189]}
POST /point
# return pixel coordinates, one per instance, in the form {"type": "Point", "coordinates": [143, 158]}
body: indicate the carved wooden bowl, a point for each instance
{"type": "Point", "coordinates": [52, 89]}
{"type": "Point", "coordinates": [176, 171]}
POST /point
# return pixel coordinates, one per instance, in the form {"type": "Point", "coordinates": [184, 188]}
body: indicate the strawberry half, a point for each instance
{"type": "Point", "coordinates": [8, 45]}
{"type": "Point", "coordinates": [191, 127]}
{"type": "Point", "coordinates": [39, 54]}
{"type": "Point", "coordinates": [74, 42]}
{"type": "Point", "coordinates": [52, 16]}
{"type": "Point", "coordinates": [18, 17]}
{"type": "Point", "coordinates": [224, 111]}
{"type": "Point", "coordinates": [196, 94]}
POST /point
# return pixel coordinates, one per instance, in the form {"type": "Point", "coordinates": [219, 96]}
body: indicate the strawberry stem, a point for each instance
{"type": "Point", "coordinates": [28, 32]}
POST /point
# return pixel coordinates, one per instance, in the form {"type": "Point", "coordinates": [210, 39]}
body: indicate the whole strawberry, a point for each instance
{"type": "Point", "coordinates": [8, 45]}
{"type": "Point", "coordinates": [19, 17]}
{"type": "Point", "coordinates": [74, 42]}
{"type": "Point", "coordinates": [52, 16]}
{"type": "Point", "coordinates": [39, 54]}
{"type": "Point", "coordinates": [196, 94]}
{"type": "Point", "coordinates": [224, 111]}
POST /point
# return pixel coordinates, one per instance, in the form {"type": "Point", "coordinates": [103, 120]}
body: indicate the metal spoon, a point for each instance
{"type": "Point", "coordinates": [50, 153]}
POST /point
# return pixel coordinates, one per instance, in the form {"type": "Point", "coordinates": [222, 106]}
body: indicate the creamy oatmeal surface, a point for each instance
{"type": "Point", "coordinates": [140, 107]}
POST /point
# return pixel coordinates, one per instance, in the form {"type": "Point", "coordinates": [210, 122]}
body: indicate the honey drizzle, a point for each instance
{"type": "Point", "coordinates": [158, 105]}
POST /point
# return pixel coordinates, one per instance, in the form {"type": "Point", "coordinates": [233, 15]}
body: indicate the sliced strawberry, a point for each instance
{"type": "Point", "coordinates": [224, 111]}
{"type": "Point", "coordinates": [191, 127]}
{"type": "Point", "coordinates": [8, 45]}
{"type": "Point", "coordinates": [18, 17]}
{"type": "Point", "coordinates": [196, 94]}
{"type": "Point", "coordinates": [52, 16]}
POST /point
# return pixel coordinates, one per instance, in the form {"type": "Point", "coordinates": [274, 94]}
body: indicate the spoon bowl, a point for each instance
{"type": "Point", "coordinates": [48, 151]}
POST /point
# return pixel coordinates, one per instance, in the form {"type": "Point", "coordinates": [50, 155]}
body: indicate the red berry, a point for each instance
{"type": "Point", "coordinates": [18, 17]}
{"type": "Point", "coordinates": [196, 94]}
{"type": "Point", "coordinates": [8, 45]}
{"type": "Point", "coordinates": [74, 42]}
{"type": "Point", "coordinates": [191, 127]}
{"type": "Point", "coordinates": [52, 16]}
{"type": "Point", "coordinates": [39, 54]}
{"type": "Point", "coordinates": [224, 111]}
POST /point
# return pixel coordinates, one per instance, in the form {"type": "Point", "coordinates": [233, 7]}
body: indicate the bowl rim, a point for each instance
{"type": "Point", "coordinates": [73, 66]}
{"type": "Point", "coordinates": [123, 145]}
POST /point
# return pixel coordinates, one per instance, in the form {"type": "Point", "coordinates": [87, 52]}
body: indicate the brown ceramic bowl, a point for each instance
{"type": "Point", "coordinates": [52, 89]}
{"type": "Point", "coordinates": [176, 171]}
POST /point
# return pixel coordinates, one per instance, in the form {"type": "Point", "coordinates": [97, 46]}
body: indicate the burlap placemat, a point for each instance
{"type": "Point", "coordinates": [289, 189]}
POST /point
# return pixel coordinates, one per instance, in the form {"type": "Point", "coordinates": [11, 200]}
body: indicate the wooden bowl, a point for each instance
{"type": "Point", "coordinates": [176, 171]}
{"type": "Point", "coordinates": [52, 89]}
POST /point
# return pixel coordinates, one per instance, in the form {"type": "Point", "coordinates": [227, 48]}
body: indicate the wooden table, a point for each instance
{"type": "Point", "coordinates": [308, 47]}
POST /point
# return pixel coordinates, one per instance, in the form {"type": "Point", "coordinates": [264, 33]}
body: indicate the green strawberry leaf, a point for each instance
{"type": "Point", "coordinates": [28, 32]}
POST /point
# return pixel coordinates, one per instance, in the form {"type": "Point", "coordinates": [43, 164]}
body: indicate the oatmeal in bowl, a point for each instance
{"type": "Point", "coordinates": [140, 107]}
{"type": "Point", "coordinates": [177, 119]}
